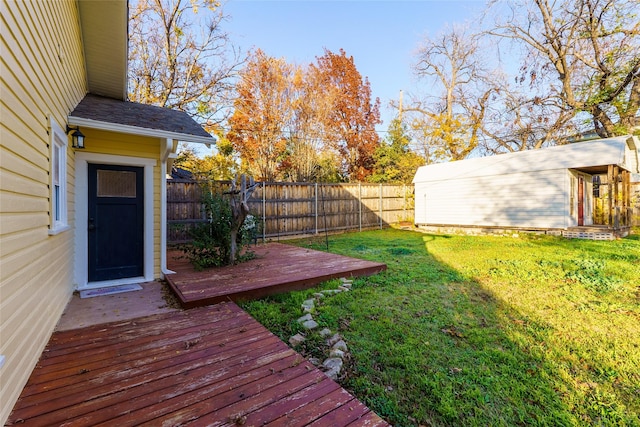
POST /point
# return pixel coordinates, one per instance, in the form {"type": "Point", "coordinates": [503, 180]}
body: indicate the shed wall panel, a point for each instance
{"type": "Point", "coordinates": [535, 199]}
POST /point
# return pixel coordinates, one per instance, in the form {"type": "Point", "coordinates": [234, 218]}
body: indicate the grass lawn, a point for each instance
{"type": "Point", "coordinates": [489, 331]}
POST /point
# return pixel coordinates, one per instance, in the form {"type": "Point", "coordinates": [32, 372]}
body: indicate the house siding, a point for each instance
{"type": "Point", "coordinates": [105, 142]}
{"type": "Point", "coordinates": [534, 199]}
{"type": "Point", "coordinates": [42, 76]}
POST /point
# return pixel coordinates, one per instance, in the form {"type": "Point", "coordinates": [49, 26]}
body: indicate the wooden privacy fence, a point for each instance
{"type": "Point", "coordinates": [289, 209]}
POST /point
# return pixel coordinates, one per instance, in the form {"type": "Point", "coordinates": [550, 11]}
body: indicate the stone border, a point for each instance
{"type": "Point", "coordinates": [338, 350]}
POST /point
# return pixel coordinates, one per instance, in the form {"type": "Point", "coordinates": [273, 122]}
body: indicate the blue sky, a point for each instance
{"type": "Point", "coordinates": [382, 36]}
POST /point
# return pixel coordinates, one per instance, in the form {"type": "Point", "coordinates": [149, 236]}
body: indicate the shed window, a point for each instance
{"type": "Point", "coordinates": [58, 179]}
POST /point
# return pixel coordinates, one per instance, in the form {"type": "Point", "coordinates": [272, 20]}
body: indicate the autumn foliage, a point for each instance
{"type": "Point", "coordinates": [288, 119]}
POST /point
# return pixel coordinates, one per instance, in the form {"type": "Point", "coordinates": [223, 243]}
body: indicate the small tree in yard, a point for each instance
{"type": "Point", "coordinates": [220, 240]}
{"type": "Point", "coordinates": [239, 211]}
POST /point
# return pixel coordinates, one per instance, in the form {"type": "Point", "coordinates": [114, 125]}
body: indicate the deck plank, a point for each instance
{"type": "Point", "coordinates": [208, 366]}
{"type": "Point", "coordinates": [277, 268]}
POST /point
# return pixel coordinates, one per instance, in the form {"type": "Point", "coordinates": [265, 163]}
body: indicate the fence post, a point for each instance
{"type": "Point", "coordinates": [404, 204]}
{"type": "Point", "coordinates": [316, 206]}
{"type": "Point", "coordinates": [359, 206]}
{"type": "Point", "coordinates": [380, 206]}
{"type": "Point", "coordinates": [264, 212]}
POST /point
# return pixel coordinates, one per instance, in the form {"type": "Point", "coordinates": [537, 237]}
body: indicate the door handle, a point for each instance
{"type": "Point", "coordinates": [92, 226]}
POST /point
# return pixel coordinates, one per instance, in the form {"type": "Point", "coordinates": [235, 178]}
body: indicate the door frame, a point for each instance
{"type": "Point", "coordinates": [81, 269]}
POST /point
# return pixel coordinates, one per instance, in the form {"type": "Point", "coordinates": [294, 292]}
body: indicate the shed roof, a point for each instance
{"type": "Point", "coordinates": [103, 113]}
{"type": "Point", "coordinates": [588, 155]}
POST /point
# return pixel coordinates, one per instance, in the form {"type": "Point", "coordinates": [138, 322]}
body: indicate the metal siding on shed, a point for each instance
{"type": "Point", "coordinates": [42, 76]}
{"type": "Point", "coordinates": [516, 200]}
{"type": "Point", "coordinates": [528, 189]}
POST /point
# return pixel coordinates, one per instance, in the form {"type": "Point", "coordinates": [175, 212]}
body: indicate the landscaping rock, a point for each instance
{"type": "Point", "coordinates": [340, 345]}
{"type": "Point", "coordinates": [333, 365]}
{"type": "Point", "coordinates": [334, 339]}
{"type": "Point", "coordinates": [314, 361]}
{"type": "Point", "coordinates": [310, 324]}
{"type": "Point", "coordinates": [331, 291]}
{"type": "Point", "coordinates": [345, 280]}
{"type": "Point", "coordinates": [318, 295]}
{"type": "Point", "coordinates": [336, 353]}
{"type": "Point", "coordinates": [308, 305]}
{"type": "Point", "coordinates": [347, 285]}
{"type": "Point", "coordinates": [296, 340]}
{"type": "Point", "coordinates": [344, 288]}
{"type": "Point", "coordinates": [305, 318]}
{"type": "Point", "coordinates": [325, 332]}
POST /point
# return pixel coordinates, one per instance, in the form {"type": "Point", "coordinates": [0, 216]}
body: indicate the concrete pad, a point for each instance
{"type": "Point", "coordinates": [124, 306]}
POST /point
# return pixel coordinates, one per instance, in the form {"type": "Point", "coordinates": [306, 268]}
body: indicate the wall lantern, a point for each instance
{"type": "Point", "coordinates": [77, 137]}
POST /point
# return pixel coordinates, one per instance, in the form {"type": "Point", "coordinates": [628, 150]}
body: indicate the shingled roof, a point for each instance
{"type": "Point", "coordinates": [140, 119]}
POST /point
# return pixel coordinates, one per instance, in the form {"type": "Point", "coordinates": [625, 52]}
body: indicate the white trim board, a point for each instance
{"type": "Point", "coordinates": [134, 130]}
{"type": "Point", "coordinates": [81, 247]}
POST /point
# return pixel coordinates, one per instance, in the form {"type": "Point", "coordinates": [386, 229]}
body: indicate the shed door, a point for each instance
{"type": "Point", "coordinates": [116, 222]}
{"type": "Point", "coordinates": [580, 200]}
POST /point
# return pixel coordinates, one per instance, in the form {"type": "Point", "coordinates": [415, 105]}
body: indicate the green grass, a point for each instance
{"type": "Point", "coordinates": [467, 330]}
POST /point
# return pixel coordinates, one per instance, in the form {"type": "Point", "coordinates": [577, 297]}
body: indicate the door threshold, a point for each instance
{"type": "Point", "coordinates": [111, 290]}
{"type": "Point", "coordinates": [108, 283]}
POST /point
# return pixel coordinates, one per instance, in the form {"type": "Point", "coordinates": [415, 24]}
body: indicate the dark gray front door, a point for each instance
{"type": "Point", "coordinates": [116, 222]}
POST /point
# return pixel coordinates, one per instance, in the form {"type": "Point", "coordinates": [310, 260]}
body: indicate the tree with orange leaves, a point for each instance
{"type": "Point", "coordinates": [262, 112]}
{"type": "Point", "coordinates": [350, 124]}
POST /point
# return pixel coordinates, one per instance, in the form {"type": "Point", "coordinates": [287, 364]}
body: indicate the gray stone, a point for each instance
{"type": "Point", "coordinates": [331, 291]}
{"type": "Point", "coordinates": [345, 280]}
{"type": "Point", "coordinates": [314, 361]}
{"type": "Point", "coordinates": [336, 353]}
{"type": "Point", "coordinates": [344, 288]}
{"type": "Point", "coordinates": [310, 303]}
{"type": "Point", "coordinates": [325, 332]}
{"type": "Point", "coordinates": [310, 324]}
{"type": "Point", "coordinates": [334, 339]}
{"type": "Point", "coordinates": [340, 345]}
{"type": "Point", "coordinates": [318, 295]}
{"type": "Point", "coordinates": [296, 340]}
{"type": "Point", "coordinates": [333, 365]}
{"type": "Point", "coordinates": [305, 318]}
{"type": "Point", "coordinates": [347, 285]}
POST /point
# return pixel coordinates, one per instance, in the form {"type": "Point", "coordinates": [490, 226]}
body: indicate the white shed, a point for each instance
{"type": "Point", "coordinates": [551, 188]}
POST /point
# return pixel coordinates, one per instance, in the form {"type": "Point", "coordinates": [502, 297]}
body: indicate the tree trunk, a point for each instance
{"type": "Point", "coordinates": [239, 211]}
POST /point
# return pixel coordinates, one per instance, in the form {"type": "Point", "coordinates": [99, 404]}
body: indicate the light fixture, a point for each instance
{"type": "Point", "coordinates": [77, 137]}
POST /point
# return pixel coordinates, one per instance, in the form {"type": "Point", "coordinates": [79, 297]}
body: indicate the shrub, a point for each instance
{"type": "Point", "coordinates": [211, 241]}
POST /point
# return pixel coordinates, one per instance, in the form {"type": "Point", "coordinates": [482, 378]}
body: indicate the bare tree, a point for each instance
{"type": "Point", "coordinates": [448, 123]}
{"type": "Point", "coordinates": [586, 53]}
{"type": "Point", "coordinates": [180, 57]}
{"type": "Point", "coordinates": [515, 118]}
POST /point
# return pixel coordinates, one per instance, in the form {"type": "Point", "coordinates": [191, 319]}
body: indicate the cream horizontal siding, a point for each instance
{"type": "Point", "coordinates": [535, 199]}
{"type": "Point", "coordinates": [42, 76]}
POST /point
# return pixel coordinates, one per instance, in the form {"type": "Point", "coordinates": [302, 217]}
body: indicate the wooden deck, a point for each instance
{"type": "Point", "coordinates": [208, 366]}
{"type": "Point", "coordinates": [277, 268]}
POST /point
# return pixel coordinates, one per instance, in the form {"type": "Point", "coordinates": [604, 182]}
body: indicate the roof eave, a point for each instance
{"type": "Point", "coordinates": [134, 130]}
{"type": "Point", "coordinates": [104, 26]}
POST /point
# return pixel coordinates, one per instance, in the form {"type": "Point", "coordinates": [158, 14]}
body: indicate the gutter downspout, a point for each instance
{"type": "Point", "coordinates": [167, 151]}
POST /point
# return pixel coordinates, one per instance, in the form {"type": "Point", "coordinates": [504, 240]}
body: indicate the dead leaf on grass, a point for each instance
{"type": "Point", "coordinates": [452, 332]}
